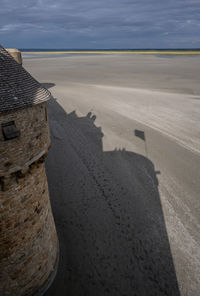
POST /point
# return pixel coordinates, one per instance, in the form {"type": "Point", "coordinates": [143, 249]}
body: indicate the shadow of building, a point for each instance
{"type": "Point", "coordinates": [113, 238]}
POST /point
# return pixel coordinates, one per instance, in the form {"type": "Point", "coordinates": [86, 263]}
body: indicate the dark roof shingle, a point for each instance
{"type": "Point", "coordinates": [18, 89]}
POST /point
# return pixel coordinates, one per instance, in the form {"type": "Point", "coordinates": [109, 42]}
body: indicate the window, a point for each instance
{"type": "Point", "coordinates": [10, 130]}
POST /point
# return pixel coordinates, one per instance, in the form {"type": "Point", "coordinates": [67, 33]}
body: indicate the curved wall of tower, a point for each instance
{"type": "Point", "coordinates": [28, 239]}
{"type": "Point", "coordinates": [33, 142]}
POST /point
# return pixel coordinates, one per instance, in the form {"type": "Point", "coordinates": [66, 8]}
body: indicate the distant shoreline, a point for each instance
{"type": "Point", "coordinates": [144, 52]}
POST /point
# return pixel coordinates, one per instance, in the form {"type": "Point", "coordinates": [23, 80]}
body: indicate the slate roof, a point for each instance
{"type": "Point", "coordinates": [18, 89]}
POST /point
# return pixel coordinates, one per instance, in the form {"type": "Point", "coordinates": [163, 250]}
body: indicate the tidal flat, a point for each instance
{"type": "Point", "coordinates": [123, 172]}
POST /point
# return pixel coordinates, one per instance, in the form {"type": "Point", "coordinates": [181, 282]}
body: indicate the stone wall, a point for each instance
{"type": "Point", "coordinates": [28, 239]}
{"type": "Point", "coordinates": [32, 143]}
{"type": "Point", "coordinates": [28, 244]}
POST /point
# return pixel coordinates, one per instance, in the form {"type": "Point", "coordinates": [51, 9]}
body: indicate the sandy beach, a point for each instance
{"type": "Point", "coordinates": [123, 172]}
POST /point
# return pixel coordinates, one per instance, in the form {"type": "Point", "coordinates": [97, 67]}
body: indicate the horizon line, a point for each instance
{"type": "Point", "coordinates": [106, 49]}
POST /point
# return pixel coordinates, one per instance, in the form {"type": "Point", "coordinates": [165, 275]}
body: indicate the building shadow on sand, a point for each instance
{"type": "Point", "coordinates": [109, 218]}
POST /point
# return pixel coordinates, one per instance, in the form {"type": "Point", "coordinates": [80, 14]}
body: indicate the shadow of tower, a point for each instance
{"type": "Point", "coordinates": [108, 213]}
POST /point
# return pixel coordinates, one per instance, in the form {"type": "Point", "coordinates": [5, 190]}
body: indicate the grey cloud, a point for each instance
{"type": "Point", "coordinates": [98, 23]}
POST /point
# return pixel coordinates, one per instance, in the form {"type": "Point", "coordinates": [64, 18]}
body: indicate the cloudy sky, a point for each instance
{"type": "Point", "coordinates": [100, 23]}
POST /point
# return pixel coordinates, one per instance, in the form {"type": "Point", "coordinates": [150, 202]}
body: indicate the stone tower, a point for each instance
{"type": "Point", "coordinates": [28, 239]}
{"type": "Point", "coordinates": [16, 54]}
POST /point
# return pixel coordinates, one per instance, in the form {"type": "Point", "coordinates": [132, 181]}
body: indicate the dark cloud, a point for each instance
{"type": "Point", "coordinates": [100, 24]}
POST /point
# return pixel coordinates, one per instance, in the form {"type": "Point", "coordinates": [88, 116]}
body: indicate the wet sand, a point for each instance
{"type": "Point", "coordinates": [126, 210]}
